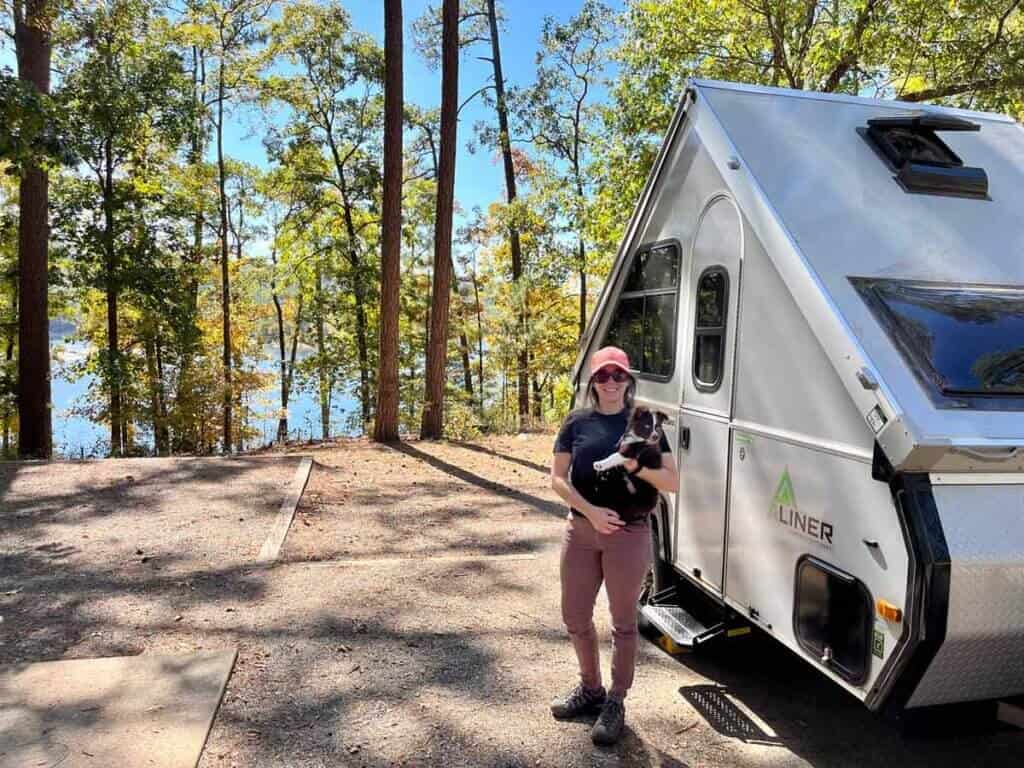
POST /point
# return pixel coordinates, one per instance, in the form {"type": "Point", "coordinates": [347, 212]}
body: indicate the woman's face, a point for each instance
{"type": "Point", "coordinates": [610, 383]}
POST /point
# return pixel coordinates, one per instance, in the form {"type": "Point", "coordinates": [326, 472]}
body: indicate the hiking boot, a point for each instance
{"type": "Point", "coordinates": [579, 701]}
{"type": "Point", "coordinates": [608, 727]}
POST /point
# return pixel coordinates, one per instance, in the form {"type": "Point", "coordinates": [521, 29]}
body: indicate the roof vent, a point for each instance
{"type": "Point", "coordinates": [922, 161]}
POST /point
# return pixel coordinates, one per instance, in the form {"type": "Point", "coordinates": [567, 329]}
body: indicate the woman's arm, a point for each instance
{"type": "Point", "coordinates": [664, 479]}
{"type": "Point", "coordinates": [604, 520]}
{"type": "Point", "coordinates": [560, 463]}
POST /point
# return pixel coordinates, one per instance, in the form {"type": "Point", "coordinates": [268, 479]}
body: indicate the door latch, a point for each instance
{"type": "Point", "coordinates": [684, 438]}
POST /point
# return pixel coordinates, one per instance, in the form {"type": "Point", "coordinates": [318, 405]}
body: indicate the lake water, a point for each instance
{"type": "Point", "coordinates": [75, 436]}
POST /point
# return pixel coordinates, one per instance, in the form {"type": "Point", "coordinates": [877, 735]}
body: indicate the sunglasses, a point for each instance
{"type": "Point", "coordinates": [615, 374]}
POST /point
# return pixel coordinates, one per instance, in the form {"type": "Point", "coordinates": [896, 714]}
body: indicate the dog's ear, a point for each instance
{"type": "Point", "coordinates": [660, 417]}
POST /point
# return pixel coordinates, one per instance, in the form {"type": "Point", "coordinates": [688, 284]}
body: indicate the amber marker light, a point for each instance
{"type": "Point", "coordinates": [889, 612]}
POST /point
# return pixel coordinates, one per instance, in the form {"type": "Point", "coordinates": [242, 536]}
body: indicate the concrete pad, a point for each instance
{"type": "Point", "coordinates": [146, 711]}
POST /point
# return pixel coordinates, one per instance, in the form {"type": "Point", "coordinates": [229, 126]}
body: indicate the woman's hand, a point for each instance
{"type": "Point", "coordinates": [604, 520]}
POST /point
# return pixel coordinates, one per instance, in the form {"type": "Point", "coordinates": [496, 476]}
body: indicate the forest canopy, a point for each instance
{"type": "Point", "coordinates": [205, 293]}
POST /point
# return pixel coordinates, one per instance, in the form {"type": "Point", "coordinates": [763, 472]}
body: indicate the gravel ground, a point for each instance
{"type": "Point", "coordinates": [412, 620]}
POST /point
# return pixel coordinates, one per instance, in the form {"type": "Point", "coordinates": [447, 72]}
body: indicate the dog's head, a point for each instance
{"type": "Point", "coordinates": [645, 425]}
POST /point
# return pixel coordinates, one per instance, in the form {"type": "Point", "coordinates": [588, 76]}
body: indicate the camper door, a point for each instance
{"type": "Point", "coordinates": [704, 444]}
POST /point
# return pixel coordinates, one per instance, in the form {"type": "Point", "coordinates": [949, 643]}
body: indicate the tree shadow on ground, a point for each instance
{"type": "Point", "coordinates": [504, 456]}
{"type": "Point", "coordinates": [466, 476]}
{"type": "Point", "coordinates": [815, 719]}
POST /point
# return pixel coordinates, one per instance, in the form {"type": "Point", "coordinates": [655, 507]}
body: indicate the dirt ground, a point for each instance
{"type": "Point", "coordinates": [412, 618]}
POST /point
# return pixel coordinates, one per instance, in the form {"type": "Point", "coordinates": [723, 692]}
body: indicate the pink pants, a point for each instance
{"type": "Point", "coordinates": [621, 560]}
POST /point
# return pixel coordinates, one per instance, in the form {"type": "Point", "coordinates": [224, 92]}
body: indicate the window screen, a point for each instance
{"type": "Point", "coordinates": [709, 328]}
{"type": "Point", "coordinates": [644, 322]}
{"type": "Point", "coordinates": [961, 341]}
{"type": "Point", "coordinates": [833, 618]}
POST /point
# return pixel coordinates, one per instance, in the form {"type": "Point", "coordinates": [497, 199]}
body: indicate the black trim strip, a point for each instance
{"type": "Point", "coordinates": [927, 592]}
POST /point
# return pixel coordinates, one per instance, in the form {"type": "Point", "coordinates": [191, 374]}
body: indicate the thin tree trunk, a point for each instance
{"type": "Point", "coordinates": [187, 433]}
{"type": "Point", "coordinates": [386, 417]}
{"type": "Point", "coordinates": [154, 397]}
{"type": "Point", "coordinates": [163, 437]}
{"type": "Point", "coordinates": [321, 347]}
{"type": "Point", "coordinates": [432, 425]}
{"type": "Point", "coordinates": [225, 278]}
{"type": "Point", "coordinates": [114, 377]}
{"type": "Point", "coordinates": [510, 186]}
{"type": "Point", "coordinates": [358, 288]}
{"type": "Point", "coordinates": [282, 421]}
{"type": "Point", "coordinates": [32, 48]}
{"type": "Point", "coordinates": [538, 408]}
{"type": "Point", "coordinates": [581, 255]}
{"type": "Point", "coordinates": [582, 262]}
{"type": "Point", "coordinates": [479, 341]}
{"type": "Point", "coordinates": [8, 357]}
{"type": "Point", "coordinates": [287, 389]}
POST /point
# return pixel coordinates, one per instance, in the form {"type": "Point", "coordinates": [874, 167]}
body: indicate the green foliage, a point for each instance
{"type": "Point", "coordinates": [145, 90]}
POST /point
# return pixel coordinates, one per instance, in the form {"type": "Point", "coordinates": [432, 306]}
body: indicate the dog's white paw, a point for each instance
{"type": "Point", "coordinates": [615, 460]}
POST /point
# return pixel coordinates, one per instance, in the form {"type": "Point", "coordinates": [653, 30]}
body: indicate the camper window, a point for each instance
{"type": "Point", "coordinates": [832, 617]}
{"type": "Point", "coordinates": [962, 341]}
{"type": "Point", "coordinates": [709, 328]}
{"type": "Point", "coordinates": [645, 318]}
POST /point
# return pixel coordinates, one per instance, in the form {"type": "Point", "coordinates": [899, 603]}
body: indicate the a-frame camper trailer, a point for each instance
{"type": "Point", "coordinates": [826, 295]}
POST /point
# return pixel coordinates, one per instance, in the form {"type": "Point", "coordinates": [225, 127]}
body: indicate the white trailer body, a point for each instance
{"type": "Point", "coordinates": [804, 306]}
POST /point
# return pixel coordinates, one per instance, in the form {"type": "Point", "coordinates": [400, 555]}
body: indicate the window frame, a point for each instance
{"type": "Point", "coordinates": [869, 605]}
{"type": "Point", "coordinates": [701, 386]}
{"type": "Point", "coordinates": [624, 294]}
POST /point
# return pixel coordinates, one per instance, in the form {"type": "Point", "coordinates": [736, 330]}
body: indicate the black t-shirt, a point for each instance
{"type": "Point", "coordinates": [591, 436]}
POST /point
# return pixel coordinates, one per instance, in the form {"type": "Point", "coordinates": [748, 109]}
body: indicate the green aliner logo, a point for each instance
{"type": "Point", "coordinates": [784, 509]}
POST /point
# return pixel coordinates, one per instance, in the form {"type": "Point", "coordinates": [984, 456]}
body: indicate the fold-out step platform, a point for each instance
{"type": "Point", "coordinates": [674, 621]}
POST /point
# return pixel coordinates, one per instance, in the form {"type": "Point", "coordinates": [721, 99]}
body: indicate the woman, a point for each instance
{"type": "Point", "coordinates": [598, 546]}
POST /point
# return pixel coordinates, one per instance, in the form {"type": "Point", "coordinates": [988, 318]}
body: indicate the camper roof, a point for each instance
{"type": "Point", "coordinates": [852, 223]}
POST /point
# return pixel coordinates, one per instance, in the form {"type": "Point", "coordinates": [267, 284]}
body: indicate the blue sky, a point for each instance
{"type": "Point", "coordinates": [479, 178]}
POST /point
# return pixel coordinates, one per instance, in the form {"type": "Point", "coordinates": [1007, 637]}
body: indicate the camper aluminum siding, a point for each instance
{"type": "Point", "coordinates": [845, 216]}
{"type": "Point", "coordinates": [818, 207]}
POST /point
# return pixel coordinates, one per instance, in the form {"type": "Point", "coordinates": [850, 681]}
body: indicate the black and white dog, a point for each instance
{"type": "Point", "coordinates": [640, 441]}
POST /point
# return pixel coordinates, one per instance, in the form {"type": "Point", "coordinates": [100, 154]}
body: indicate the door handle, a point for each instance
{"type": "Point", "coordinates": [684, 438]}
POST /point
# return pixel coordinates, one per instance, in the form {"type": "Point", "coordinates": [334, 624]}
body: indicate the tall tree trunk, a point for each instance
{"type": "Point", "coordinates": [8, 358]}
{"type": "Point", "coordinates": [432, 425]}
{"type": "Point", "coordinates": [582, 266]}
{"type": "Point", "coordinates": [187, 433]}
{"type": "Point", "coordinates": [581, 254]}
{"type": "Point", "coordinates": [163, 436]}
{"type": "Point", "coordinates": [467, 367]}
{"type": "Point", "coordinates": [286, 371]}
{"type": "Point", "coordinates": [386, 418]}
{"type": "Point", "coordinates": [112, 278]}
{"type": "Point", "coordinates": [358, 287]}
{"type": "Point", "coordinates": [358, 294]}
{"type": "Point", "coordinates": [154, 392]}
{"type": "Point", "coordinates": [479, 341]}
{"type": "Point", "coordinates": [32, 47]}
{"type": "Point", "coordinates": [510, 186]}
{"type": "Point", "coordinates": [225, 279]}
{"type": "Point", "coordinates": [538, 407]}
{"type": "Point", "coordinates": [321, 348]}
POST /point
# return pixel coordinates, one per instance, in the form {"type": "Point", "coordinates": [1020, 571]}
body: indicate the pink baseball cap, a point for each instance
{"type": "Point", "coordinates": [609, 356]}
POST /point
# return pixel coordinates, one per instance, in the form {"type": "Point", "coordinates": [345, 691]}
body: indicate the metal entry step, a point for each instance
{"type": "Point", "coordinates": [674, 622]}
{"type": "Point", "coordinates": [677, 623]}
